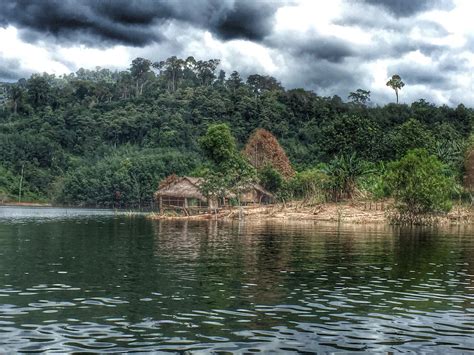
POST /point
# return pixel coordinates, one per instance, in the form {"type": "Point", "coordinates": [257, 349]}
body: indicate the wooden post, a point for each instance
{"type": "Point", "coordinates": [160, 204]}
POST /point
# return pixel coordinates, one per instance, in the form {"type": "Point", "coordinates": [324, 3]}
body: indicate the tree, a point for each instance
{"type": "Point", "coordinates": [230, 172]}
{"type": "Point", "coordinates": [172, 70]}
{"type": "Point", "coordinates": [235, 81]}
{"type": "Point", "coordinates": [16, 94]}
{"type": "Point", "coordinates": [205, 71]}
{"type": "Point", "coordinates": [361, 97]}
{"type": "Point", "coordinates": [419, 183]}
{"type": "Point", "coordinates": [218, 144]}
{"type": "Point", "coordinates": [410, 135]}
{"type": "Point", "coordinates": [271, 179]}
{"type": "Point", "coordinates": [262, 150]}
{"type": "Point", "coordinates": [342, 174]}
{"type": "Point", "coordinates": [39, 90]}
{"type": "Point", "coordinates": [260, 83]}
{"type": "Point", "coordinates": [396, 84]}
{"type": "Point", "coordinates": [141, 73]}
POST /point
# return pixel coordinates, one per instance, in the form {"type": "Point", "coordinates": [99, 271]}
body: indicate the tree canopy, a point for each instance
{"type": "Point", "coordinates": [100, 137]}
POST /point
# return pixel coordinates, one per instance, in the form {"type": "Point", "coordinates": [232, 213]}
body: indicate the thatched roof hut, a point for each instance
{"type": "Point", "coordinates": [185, 186]}
{"type": "Point", "coordinates": [183, 193]}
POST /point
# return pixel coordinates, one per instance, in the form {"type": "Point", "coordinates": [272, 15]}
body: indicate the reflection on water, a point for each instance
{"type": "Point", "coordinates": [8, 214]}
{"type": "Point", "coordinates": [112, 284]}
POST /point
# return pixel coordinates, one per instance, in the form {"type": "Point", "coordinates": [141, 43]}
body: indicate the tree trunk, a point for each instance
{"type": "Point", "coordinates": [396, 93]}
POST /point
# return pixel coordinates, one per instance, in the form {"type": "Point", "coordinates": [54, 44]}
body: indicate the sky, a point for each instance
{"type": "Point", "coordinates": [331, 47]}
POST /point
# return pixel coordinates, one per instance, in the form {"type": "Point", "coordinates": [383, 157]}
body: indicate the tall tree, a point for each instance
{"type": "Point", "coordinates": [360, 96]}
{"type": "Point", "coordinates": [16, 94]}
{"type": "Point", "coordinates": [141, 73]}
{"type": "Point", "coordinates": [172, 70]}
{"type": "Point", "coordinates": [260, 83]}
{"type": "Point", "coordinates": [396, 84]}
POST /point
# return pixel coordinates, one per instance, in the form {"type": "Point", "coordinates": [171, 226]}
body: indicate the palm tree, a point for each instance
{"type": "Point", "coordinates": [396, 83]}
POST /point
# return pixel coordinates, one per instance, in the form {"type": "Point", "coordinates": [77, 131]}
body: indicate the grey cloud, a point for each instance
{"type": "Point", "coordinates": [11, 70]}
{"type": "Point", "coordinates": [418, 74]}
{"type": "Point", "coordinates": [406, 8]}
{"type": "Point", "coordinates": [314, 45]}
{"type": "Point", "coordinates": [324, 77]}
{"type": "Point", "coordinates": [137, 22]}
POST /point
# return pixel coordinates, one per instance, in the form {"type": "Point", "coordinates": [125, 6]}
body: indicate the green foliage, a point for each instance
{"type": "Point", "coordinates": [410, 135]}
{"type": "Point", "coordinates": [271, 179]}
{"type": "Point", "coordinates": [343, 173]}
{"type": "Point", "coordinates": [8, 184]}
{"type": "Point", "coordinates": [218, 144]}
{"type": "Point", "coordinates": [230, 171]}
{"type": "Point", "coordinates": [373, 184]}
{"type": "Point", "coordinates": [127, 178]}
{"type": "Point", "coordinates": [310, 185]}
{"type": "Point", "coordinates": [396, 84]}
{"type": "Point", "coordinates": [56, 127]}
{"type": "Point", "coordinates": [419, 183]}
{"type": "Point", "coordinates": [360, 97]}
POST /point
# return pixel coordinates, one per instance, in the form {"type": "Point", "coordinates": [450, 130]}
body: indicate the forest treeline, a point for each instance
{"type": "Point", "coordinates": [106, 138]}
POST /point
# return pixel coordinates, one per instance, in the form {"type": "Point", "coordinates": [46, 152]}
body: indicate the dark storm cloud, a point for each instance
{"type": "Point", "coordinates": [247, 19]}
{"type": "Point", "coordinates": [406, 8]}
{"type": "Point", "coordinates": [137, 22]}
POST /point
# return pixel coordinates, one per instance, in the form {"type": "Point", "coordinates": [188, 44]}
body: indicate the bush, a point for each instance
{"type": "Point", "coordinates": [271, 179]}
{"type": "Point", "coordinates": [308, 185]}
{"type": "Point", "coordinates": [420, 184]}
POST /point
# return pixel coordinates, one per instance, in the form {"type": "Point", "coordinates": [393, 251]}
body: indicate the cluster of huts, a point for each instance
{"type": "Point", "coordinates": [183, 193]}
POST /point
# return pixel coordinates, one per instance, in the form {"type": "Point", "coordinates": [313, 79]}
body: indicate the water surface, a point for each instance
{"type": "Point", "coordinates": [106, 282]}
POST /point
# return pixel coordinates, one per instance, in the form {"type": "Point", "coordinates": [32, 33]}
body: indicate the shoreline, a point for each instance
{"type": "Point", "coordinates": [25, 204]}
{"type": "Point", "coordinates": [344, 212]}
{"type": "Point", "coordinates": [327, 212]}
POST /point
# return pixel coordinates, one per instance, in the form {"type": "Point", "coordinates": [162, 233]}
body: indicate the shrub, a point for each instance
{"type": "Point", "coordinates": [420, 184]}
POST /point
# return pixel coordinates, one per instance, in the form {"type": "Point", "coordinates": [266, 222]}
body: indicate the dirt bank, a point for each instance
{"type": "Point", "coordinates": [346, 212]}
{"type": "Point", "coordinates": [330, 212]}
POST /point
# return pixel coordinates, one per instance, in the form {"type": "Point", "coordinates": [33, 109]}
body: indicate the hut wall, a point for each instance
{"type": "Point", "coordinates": [250, 196]}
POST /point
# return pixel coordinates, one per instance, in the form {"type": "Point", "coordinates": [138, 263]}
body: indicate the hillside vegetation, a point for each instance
{"type": "Point", "coordinates": [103, 138]}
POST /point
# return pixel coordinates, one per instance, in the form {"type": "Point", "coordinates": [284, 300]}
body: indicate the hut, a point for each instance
{"type": "Point", "coordinates": [256, 194]}
{"type": "Point", "coordinates": [183, 193]}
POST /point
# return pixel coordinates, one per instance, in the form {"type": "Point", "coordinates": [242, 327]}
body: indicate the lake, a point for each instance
{"type": "Point", "coordinates": [98, 281]}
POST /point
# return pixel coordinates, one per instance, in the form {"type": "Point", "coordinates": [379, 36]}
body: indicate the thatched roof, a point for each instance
{"type": "Point", "coordinates": [260, 188]}
{"type": "Point", "coordinates": [188, 186]}
{"type": "Point", "coordinates": [181, 187]}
